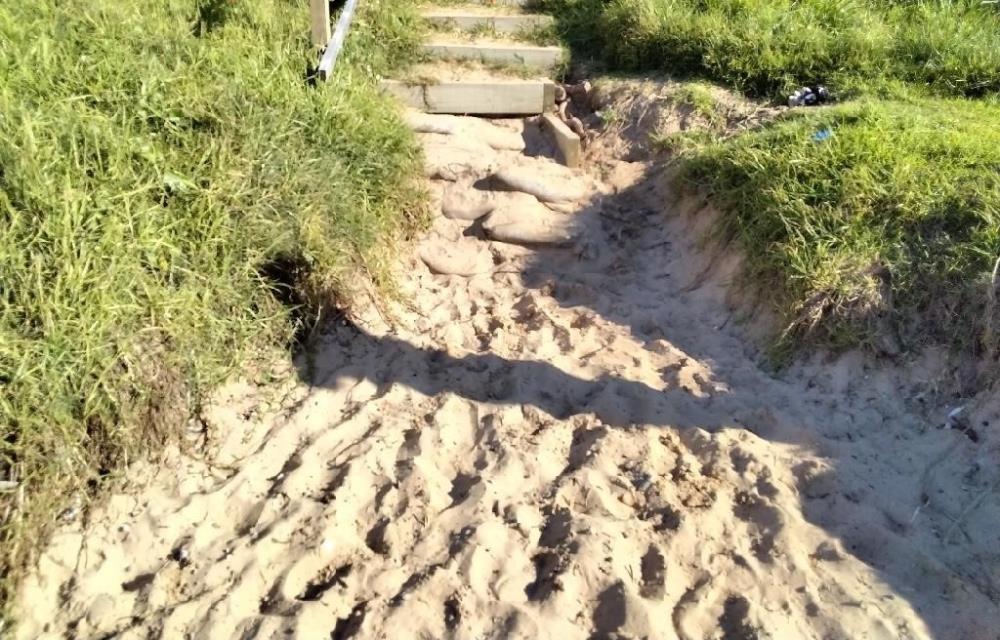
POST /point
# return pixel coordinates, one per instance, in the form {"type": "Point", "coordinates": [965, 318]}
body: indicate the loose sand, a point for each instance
{"type": "Point", "coordinates": [567, 442]}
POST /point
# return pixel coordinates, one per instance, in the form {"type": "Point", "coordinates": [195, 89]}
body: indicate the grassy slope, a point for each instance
{"type": "Point", "coordinates": [154, 157]}
{"type": "Point", "coordinates": [908, 181]}
{"type": "Point", "coordinates": [913, 186]}
{"type": "Point", "coordinates": [768, 47]}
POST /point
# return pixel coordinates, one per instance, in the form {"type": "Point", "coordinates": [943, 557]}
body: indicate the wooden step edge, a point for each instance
{"type": "Point", "coordinates": [502, 3]}
{"type": "Point", "coordinates": [494, 97]}
{"type": "Point", "coordinates": [510, 24]}
{"type": "Point", "coordinates": [539, 57]}
{"type": "Point", "coordinates": [568, 143]}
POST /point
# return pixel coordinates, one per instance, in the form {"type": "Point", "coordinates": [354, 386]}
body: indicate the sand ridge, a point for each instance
{"type": "Point", "coordinates": [568, 439]}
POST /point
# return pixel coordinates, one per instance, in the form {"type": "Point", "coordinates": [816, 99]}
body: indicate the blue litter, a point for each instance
{"type": "Point", "coordinates": [822, 135]}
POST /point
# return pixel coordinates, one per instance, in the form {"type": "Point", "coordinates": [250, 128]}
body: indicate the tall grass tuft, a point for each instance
{"type": "Point", "coordinates": [884, 229]}
{"type": "Point", "coordinates": [767, 47]}
{"type": "Point", "coordinates": [157, 159]}
{"type": "Point", "coordinates": [907, 191]}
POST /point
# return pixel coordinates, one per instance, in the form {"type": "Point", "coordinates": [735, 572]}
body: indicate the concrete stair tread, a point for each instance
{"type": "Point", "coordinates": [472, 88]}
{"type": "Point", "coordinates": [430, 71]}
{"type": "Point", "coordinates": [511, 97]}
{"type": "Point", "coordinates": [492, 4]}
{"type": "Point", "coordinates": [488, 50]}
{"type": "Point", "coordinates": [475, 10]}
{"type": "Point", "coordinates": [459, 37]}
{"type": "Point", "coordinates": [486, 18]}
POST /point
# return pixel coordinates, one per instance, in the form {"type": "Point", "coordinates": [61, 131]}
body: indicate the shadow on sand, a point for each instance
{"type": "Point", "coordinates": [641, 272]}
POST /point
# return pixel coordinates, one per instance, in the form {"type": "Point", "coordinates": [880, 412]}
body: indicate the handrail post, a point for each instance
{"type": "Point", "coordinates": [319, 13]}
{"type": "Point", "coordinates": [332, 51]}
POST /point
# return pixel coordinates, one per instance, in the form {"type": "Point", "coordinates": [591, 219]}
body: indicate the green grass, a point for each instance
{"type": "Point", "coordinates": [768, 47]}
{"type": "Point", "coordinates": [907, 188]}
{"type": "Point", "coordinates": [698, 97]}
{"type": "Point", "coordinates": [158, 162]}
{"type": "Point", "coordinates": [888, 231]}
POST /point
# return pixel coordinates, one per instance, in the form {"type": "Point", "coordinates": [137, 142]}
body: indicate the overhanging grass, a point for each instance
{"type": "Point", "coordinates": [768, 47]}
{"type": "Point", "coordinates": [905, 189]}
{"type": "Point", "coordinates": [156, 158]}
{"type": "Point", "coordinates": [888, 229]}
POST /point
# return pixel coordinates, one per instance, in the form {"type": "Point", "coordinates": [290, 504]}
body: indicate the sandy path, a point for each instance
{"type": "Point", "coordinates": [571, 442]}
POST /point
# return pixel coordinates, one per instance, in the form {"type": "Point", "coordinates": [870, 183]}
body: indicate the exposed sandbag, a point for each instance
{"type": "Point", "coordinates": [562, 207]}
{"type": "Point", "coordinates": [545, 181]}
{"type": "Point", "coordinates": [522, 219]}
{"type": "Point", "coordinates": [462, 201]}
{"type": "Point", "coordinates": [465, 257]}
{"type": "Point", "coordinates": [475, 129]}
{"type": "Point", "coordinates": [497, 137]}
{"type": "Point", "coordinates": [430, 122]}
{"type": "Point", "coordinates": [451, 158]}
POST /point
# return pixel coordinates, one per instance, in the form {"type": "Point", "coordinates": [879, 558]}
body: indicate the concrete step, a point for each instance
{"type": "Point", "coordinates": [502, 3]}
{"type": "Point", "coordinates": [470, 19]}
{"type": "Point", "coordinates": [472, 88]}
{"type": "Point", "coordinates": [491, 97]}
{"type": "Point", "coordinates": [494, 52]}
{"type": "Point", "coordinates": [567, 142]}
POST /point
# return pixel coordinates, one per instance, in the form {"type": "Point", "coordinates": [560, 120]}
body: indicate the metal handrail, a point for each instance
{"type": "Point", "coordinates": [332, 45]}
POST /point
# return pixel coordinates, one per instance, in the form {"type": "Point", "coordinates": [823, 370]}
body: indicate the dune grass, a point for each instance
{"type": "Point", "coordinates": [907, 191]}
{"type": "Point", "coordinates": [160, 165]}
{"type": "Point", "coordinates": [886, 233]}
{"type": "Point", "coordinates": [768, 47]}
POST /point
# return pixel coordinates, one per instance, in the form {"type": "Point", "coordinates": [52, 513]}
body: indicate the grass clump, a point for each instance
{"type": "Point", "coordinates": [698, 97]}
{"type": "Point", "coordinates": [767, 47]}
{"type": "Point", "coordinates": [884, 232]}
{"type": "Point", "coordinates": [158, 163]}
{"type": "Point", "coordinates": [894, 217]}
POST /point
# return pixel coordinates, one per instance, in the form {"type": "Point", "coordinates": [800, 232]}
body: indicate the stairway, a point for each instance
{"type": "Point", "coordinates": [488, 60]}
